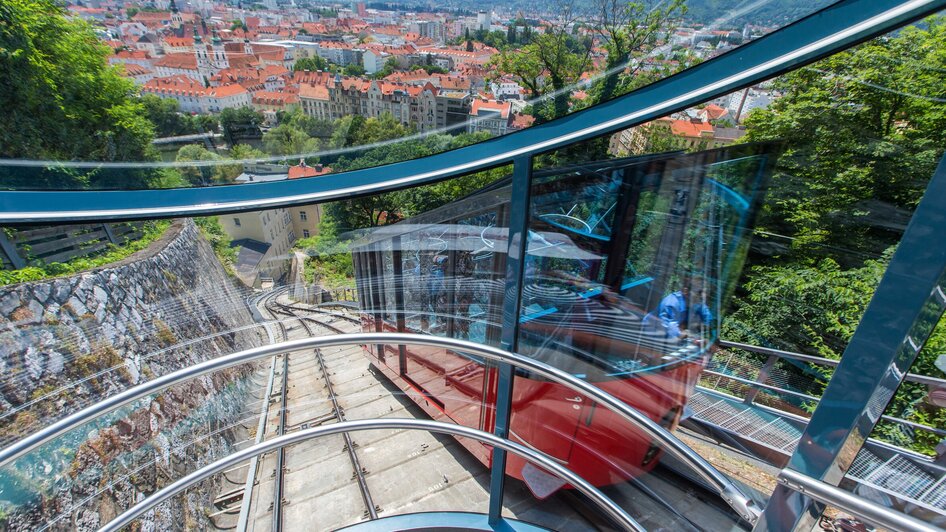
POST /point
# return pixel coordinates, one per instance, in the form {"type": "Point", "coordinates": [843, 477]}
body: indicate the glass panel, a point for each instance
{"type": "Point", "coordinates": [204, 100]}
{"type": "Point", "coordinates": [628, 264]}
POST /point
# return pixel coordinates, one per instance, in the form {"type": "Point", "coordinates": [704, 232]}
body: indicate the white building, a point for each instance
{"type": "Point", "coordinates": [506, 89]}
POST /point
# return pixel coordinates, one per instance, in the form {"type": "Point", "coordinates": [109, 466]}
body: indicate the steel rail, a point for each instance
{"type": "Point", "coordinates": [370, 509]}
{"type": "Point", "coordinates": [610, 507]}
{"type": "Point", "coordinates": [816, 36]}
{"type": "Point", "coordinates": [280, 471]}
{"type": "Point", "coordinates": [728, 490]}
{"type": "Point", "coordinates": [860, 507]}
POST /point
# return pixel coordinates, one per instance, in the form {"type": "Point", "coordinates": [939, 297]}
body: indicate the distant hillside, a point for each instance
{"type": "Point", "coordinates": [736, 13]}
{"type": "Point", "coordinates": [761, 12]}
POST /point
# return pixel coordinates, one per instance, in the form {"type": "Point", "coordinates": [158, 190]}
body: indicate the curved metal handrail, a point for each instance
{"type": "Point", "coordinates": [582, 485]}
{"type": "Point", "coordinates": [725, 487]}
{"type": "Point", "coordinates": [821, 34]}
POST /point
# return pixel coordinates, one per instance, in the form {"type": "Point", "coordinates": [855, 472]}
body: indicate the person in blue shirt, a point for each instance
{"type": "Point", "coordinates": [675, 312]}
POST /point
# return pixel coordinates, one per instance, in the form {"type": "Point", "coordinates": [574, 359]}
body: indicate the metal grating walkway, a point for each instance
{"type": "Point", "coordinates": [899, 476]}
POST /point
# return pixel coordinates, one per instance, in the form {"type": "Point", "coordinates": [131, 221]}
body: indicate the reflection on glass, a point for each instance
{"type": "Point", "coordinates": [627, 266]}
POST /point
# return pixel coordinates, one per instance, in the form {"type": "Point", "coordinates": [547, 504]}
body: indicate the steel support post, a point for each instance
{"type": "Point", "coordinates": [518, 240]}
{"type": "Point", "coordinates": [901, 315]}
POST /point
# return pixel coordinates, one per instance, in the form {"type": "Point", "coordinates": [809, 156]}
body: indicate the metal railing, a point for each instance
{"type": "Point", "coordinates": [600, 499]}
{"type": "Point", "coordinates": [863, 509]}
{"type": "Point", "coordinates": [774, 355]}
{"type": "Point", "coordinates": [727, 490]}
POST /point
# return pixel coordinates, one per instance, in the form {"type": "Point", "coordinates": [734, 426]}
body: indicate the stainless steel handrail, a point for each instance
{"type": "Point", "coordinates": [791, 355]}
{"type": "Point", "coordinates": [543, 460]}
{"type": "Point", "coordinates": [859, 507]}
{"type": "Point", "coordinates": [729, 492]}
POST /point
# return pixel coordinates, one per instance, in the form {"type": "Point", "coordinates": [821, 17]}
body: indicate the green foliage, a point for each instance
{"type": "Point", "coordinates": [809, 308]}
{"type": "Point", "coordinates": [863, 130]}
{"type": "Point", "coordinates": [61, 99]}
{"type": "Point", "coordinates": [311, 64]}
{"type": "Point", "coordinates": [357, 130]}
{"type": "Point", "coordinates": [497, 39]}
{"type": "Point", "coordinates": [382, 209]}
{"type": "Point", "coordinates": [353, 69]}
{"type": "Point", "coordinates": [216, 174]}
{"type": "Point", "coordinates": [433, 69]}
{"type": "Point", "coordinates": [330, 260]}
{"type": "Point", "coordinates": [197, 175]}
{"type": "Point", "coordinates": [550, 63]}
{"type": "Point", "coordinates": [243, 122]}
{"type": "Point", "coordinates": [219, 240]}
{"type": "Point", "coordinates": [286, 139]}
{"type": "Point", "coordinates": [168, 121]}
{"type": "Point", "coordinates": [39, 270]}
{"type": "Point", "coordinates": [390, 67]}
{"type": "Point", "coordinates": [311, 126]}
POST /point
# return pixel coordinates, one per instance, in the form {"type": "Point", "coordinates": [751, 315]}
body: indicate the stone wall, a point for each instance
{"type": "Point", "coordinates": [66, 343]}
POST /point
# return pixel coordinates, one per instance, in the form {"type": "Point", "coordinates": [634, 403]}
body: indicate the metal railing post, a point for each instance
{"type": "Point", "coordinates": [509, 339]}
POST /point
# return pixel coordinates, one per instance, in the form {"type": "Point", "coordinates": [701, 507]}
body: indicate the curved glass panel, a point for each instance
{"type": "Point", "coordinates": [639, 276]}
{"type": "Point", "coordinates": [180, 97]}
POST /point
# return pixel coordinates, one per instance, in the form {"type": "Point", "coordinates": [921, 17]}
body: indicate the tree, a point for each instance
{"type": "Point", "coordinates": [357, 130]}
{"type": "Point", "coordinates": [311, 64]}
{"type": "Point", "coordinates": [197, 175]}
{"type": "Point", "coordinates": [511, 34]}
{"type": "Point", "coordinates": [286, 139]}
{"type": "Point", "coordinates": [390, 67]}
{"type": "Point", "coordinates": [630, 31]}
{"type": "Point", "coordinates": [61, 100]}
{"type": "Point", "coordinates": [353, 69]}
{"type": "Point", "coordinates": [863, 133]}
{"type": "Point", "coordinates": [226, 173]}
{"type": "Point", "coordinates": [551, 63]}
{"type": "Point", "coordinates": [313, 127]}
{"type": "Point", "coordinates": [238, 123]}
{"type": "Point", "coordinates": [168, 121]}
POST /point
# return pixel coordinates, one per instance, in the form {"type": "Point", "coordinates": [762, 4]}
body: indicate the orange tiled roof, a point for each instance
{"type": "Point", "coordinates": [178, 84]}
{"type": "Point", "coordinates": [502, 108]}
{"type": "Point", "coordinates": [314, 92]}
{"type": "Point", "coordinates": [182, 61]}
{"type": "Point", "coordinates": [224, 91]}
{"type": "Point", "coordinates": [303, 170]}
{"type": "Point", "coordinates": [178, 42]}
{"type": "Point", "coordinates": [714, 111]}
{"type": "Point", "coordinates": [133, 69]}
{"type": "Point", "coordinates": [689, 128]}
{"type": "Point", "coordinates": [275, 98]}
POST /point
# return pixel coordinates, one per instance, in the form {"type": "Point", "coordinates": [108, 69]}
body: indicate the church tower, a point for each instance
{"type": "Point", "coordinates": [204, 66]}
{"type": "Point", "coordinates": [176, 19]}
{"type": "Point", "coordinates": [219, 58]}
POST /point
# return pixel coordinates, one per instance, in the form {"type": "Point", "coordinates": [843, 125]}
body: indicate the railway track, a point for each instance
{"type": "Point", "coordinates": [387, 474]}
{"type": "Point", "coordinates": [310, 325]}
